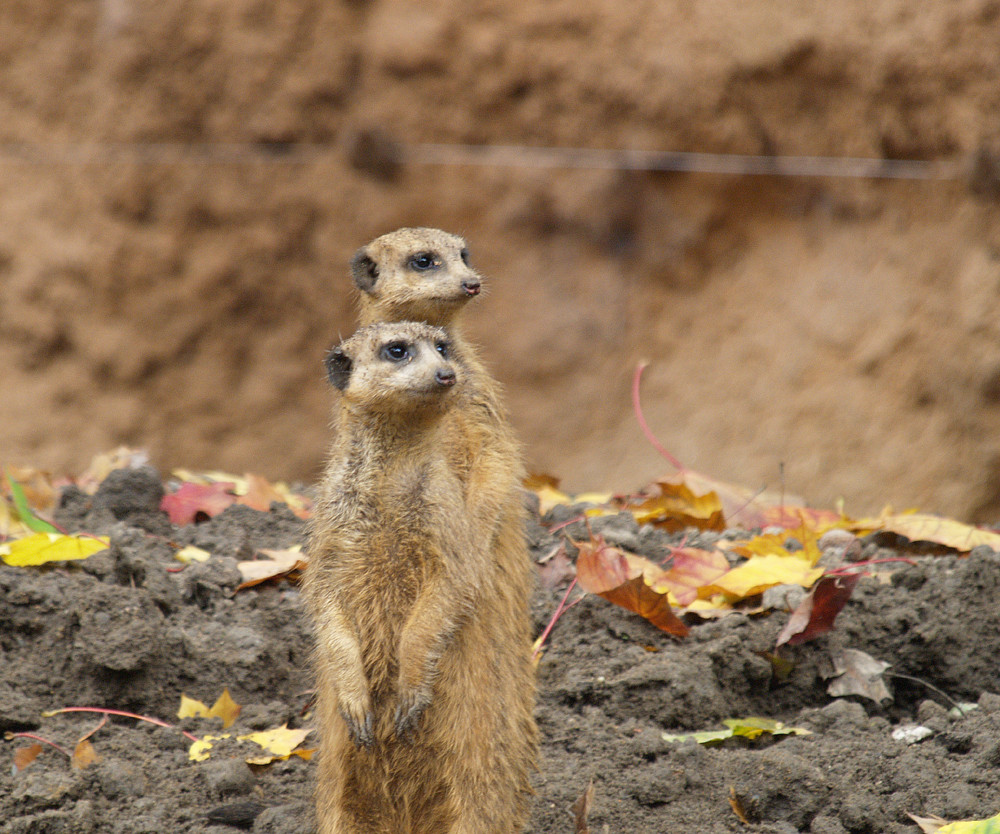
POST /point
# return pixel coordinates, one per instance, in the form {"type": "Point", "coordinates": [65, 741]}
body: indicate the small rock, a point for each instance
{"type": "Point", "coordinates": [230, 777]}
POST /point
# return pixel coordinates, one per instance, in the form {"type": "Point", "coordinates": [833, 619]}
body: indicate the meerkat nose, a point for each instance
{"type": "Point", "coordinates": [444, 376]}
{"type": "Point", "coordinates": [471, 287]}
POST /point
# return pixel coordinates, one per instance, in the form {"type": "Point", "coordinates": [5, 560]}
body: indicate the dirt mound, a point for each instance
{"type": "Point", "coordinates": [124, 630]}
{"type": "Point", "coordinates": [184, 183]}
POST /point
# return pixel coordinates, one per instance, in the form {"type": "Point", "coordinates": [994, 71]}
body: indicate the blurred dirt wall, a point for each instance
{"type": "Point", "coordinates": [182, 184]}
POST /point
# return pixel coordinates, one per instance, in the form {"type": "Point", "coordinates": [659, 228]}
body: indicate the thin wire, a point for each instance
{"type": "Point", "coordinates": [505, 156]}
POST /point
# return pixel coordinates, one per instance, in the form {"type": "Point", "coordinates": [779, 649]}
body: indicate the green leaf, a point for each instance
{"type": "Point", "coordinates": [50, 547]}
{"type": "Point", "coordinates": [25, 513]}
{"type": "Point", "coordinates": [744, 727]}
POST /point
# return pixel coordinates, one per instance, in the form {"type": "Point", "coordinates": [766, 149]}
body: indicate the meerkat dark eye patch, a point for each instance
{"type": "Point", "coordinates": [424, 261]}
{"type": "Point", "coordinates": [443, 348]}
{"type": "Point", "coordinates": [464, 255]}
{"type": "Point", "coordinates": [364, 270]}
{"type": "Point", "coordinates": [338, 368]}
{"type": "Point", "coordinates": [396, 352]}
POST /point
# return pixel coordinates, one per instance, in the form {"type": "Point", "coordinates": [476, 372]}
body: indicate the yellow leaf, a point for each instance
{"type": "Point", "coordinates": [225, 708]}
{"type": "Point", "coordinates": [678, 506]}
{"type": "Point", "coordinates": [931, 528]}
{"type": "Point", "coordinates": [279, 742]}
{"type": "Point", "coordinates": [190, 554]}
{"type": "Point", "coordinates": [939, 826]}
{"type": "Point", "coordinates": [199, 750]}
{"type": "Point", "coordinates": [774, 544]}
{"type": "Point", "coordinates": [547, 489]}
{"type": "Point", "coordinates": [50, 547]}
{"type": "Point", "coordinates": [84, 754]}
{"type": "Point", "coordinates": [759, 573]}
{"type": "Point", "coordinates": [190, 708]}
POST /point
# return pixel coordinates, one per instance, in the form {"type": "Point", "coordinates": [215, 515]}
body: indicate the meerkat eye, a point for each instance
{"type": "Point", "coordinates": [464, 255]}
{"type": "Point", "coordinates": [442, 348]}
{"type": "Point", "coordinates": [396, 352]}
{"type": "Point", "coordinates": [423, 261]}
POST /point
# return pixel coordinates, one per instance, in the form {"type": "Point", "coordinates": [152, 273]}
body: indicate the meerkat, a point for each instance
{"type": "Point", "coordinates": [425, 690]}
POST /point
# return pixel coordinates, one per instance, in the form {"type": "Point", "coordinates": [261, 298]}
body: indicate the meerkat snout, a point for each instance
{"type": "Point", "coordinates": [445, 377]}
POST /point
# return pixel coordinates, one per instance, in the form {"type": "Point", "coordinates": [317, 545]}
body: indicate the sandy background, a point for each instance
{"type": "Point", "coordinates": [162, 287]}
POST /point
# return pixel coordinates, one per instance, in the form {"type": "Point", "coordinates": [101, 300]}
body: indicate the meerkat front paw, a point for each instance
{"type": "Point", "coordinates": [411, 706]}
{"type": "Point", "coordinates": [360, 720]}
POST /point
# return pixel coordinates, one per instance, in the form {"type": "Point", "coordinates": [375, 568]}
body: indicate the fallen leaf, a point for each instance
{"type": "Point", "coordinates": [737, 805]}
{"type": "Point", "coordinates": [776, 544]}
{"type": "Point", "coordinates": [557, 570]}
{"type": "Point", "coordinates": [691, 568]}
{"type": "Point", "coordinates": [199, 750]}
{"type": "Point", "coordinates": [84, 754]}
{"type": "Point", "coordinates": [190, 554]}
{"type": "Point", "coordinates": [224, 707]}
{"type": "Point", "coordinates": [581, 809]}
{"type": "Point", "coordinates": [931, 528]}
{"type": "Point", "coordinates": [25, 513]}
{"type": "Point", "coordinates": [280, 743]}
{"type": "Point", "coordinates": [24, 756]}
{"type": "Point", "coordinates": [278, 563]}
{"type": "Point", "coordinates": [676, 506]}
{"type": "Point", "coordinates": [936, 825]}
{"type": "Point", "coordinates": [50, 547]}
{"type": "Point", "coordinates": [857, 673]}
{"type": "Point", "coordinates": [193, 501]}
{"type": "Point", "coordinates": [547, 489]}
{"type": "Point", "coordinates": [751, 727]}
{"type": "Point", "coordinates": [104, 464]}
{"type": "Point", "coordinates": [759, 573]}
{"type": "Point", "coordinates": [815, 614]}
{"type": "Point", "coordinates": [606, 571]}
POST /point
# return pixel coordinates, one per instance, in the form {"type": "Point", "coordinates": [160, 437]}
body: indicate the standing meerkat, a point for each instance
{"type": "Point", "coordinates": [425, 691]}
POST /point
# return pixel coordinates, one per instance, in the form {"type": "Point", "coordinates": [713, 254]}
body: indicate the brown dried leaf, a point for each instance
{"type": "Point", "coordinates": [857, 673]}
{"type": "Point", "coordinates": [24, 756]}
{"type": "Point", "coordinates": [278, 563]}
{"type": "Point", "coordinates": [84, 754]}
{"type": "Point", "coordinates": [581, 809]}
{"type": "Point", "coordinates": [817, 611]}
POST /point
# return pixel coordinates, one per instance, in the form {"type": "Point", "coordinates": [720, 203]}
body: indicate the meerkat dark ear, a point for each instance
{"type": "Point", "coordinates": [338, 368]}
{"type": "Point", "coordinates": [364, 270]}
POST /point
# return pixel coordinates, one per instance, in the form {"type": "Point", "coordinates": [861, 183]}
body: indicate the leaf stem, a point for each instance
{"type": "Point", "coordinates": [35, 737]}
{"type": "Point", "coordinates": [646, 430]}
{"type": "Point", "coordinates": [123, 714]}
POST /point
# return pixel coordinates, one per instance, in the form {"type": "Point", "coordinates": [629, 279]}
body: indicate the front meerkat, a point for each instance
{"type": "Point", "coordinates": [424, 698]}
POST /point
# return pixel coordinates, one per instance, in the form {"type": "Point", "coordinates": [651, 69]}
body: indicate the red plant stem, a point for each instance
{"type": "Point", "coordinates": [558, 613]}
{"type": "Point", "coordinates": [557, 527]}
{"type": "Point", "coordinates": [850, 567]}
{"type": "Point", "coordinates": [119, 712]}
{"type": "Point", "coordinates": [42, 740]}
{"type": "Point", "coordinates": [637, 407]}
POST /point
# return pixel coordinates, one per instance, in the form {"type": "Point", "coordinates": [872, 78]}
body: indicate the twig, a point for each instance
{"type": "Point", "coordinates": [637, 407]}
{"type": "Point", "coordinates": [562, 607]}
{"type": "Point", "coordinates": [931, 687]}
{"type": "Point", "coordinates": [34, 737]}
{"type": "Point", "coordinates": [848, 568]}
{"type": "Point", "coordinates": [123, 714]}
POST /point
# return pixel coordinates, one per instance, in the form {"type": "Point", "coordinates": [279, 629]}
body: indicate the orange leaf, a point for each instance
{"type": "Point", "coordinates": [605, 571]}
{"type": "Point", "coordinates": [677, 506]}
{"type": "Point", "coordinates": [24, 756]}
{"type": "Point", "coordinates": [192, 501]}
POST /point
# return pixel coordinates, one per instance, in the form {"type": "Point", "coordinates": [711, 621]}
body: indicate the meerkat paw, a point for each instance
{"type": "Point", "coordinates": [411, 706]}
{"type": "Point", "coordinates": [360, 721]}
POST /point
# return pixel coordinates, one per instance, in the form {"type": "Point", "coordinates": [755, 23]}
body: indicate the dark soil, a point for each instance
{"type": "Point", "coordinates": [125, 630]}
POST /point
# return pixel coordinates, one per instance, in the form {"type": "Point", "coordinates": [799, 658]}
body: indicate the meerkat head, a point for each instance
{"type": "Point", "coordinates": [414, 275]}
{"type": "Point", "coordinates": [398, 368]}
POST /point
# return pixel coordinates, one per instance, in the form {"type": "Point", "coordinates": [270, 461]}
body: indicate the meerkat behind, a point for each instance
{"type": "Point", "coordinates": [425, 690]}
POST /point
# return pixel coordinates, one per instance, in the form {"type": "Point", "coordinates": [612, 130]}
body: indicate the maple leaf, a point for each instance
{"type": "Point", "coordinates": [759, 573]}
{"type": "Point", "coordinates": [856, 673]}
{"type": "Point", "coordinates": [224, 707]}
{"type": "Point", "coordinates": [618, 578]}
{"type": "Point", "coordinates": [750, 727]}
{"type": "Point", "coordinates": [193, 501]}
{"type": "Point", "coordinates": [50, 547]}
{"type": "Point", "coordinates": [817, 611]}
{"type": "Point", "coordinates": [691, 568]}
{"type": "Point", "coordinates": [937, 825]}
{"type": "Point", "coordinates": [675, 506]}
{"type": "Point", "coordinates": [931, 528]}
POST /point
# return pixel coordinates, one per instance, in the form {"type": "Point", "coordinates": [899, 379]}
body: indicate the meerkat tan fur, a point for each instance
{"type": "Point", "coordinates": [425, 690]}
